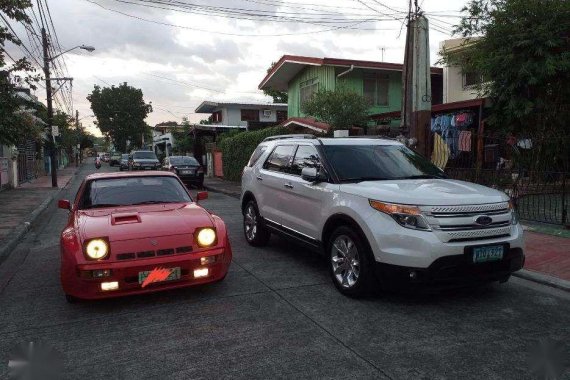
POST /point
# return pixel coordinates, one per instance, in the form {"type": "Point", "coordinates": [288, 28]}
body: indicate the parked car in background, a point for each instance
{"type": "Point", "coordinates": [105, 157]}
{"type": "Point", "coordinates": [143, 160]}
{"type": "Point", "coordinates": [115, 158]}
{"type": "Point", "coordinates": [380, 212]}
{"type": "Point", "coordinates": [187, 168]}
{"type": "Point", "coordinates": [124, 162]}
{"type": "Point", "coordinates": [130, 233]}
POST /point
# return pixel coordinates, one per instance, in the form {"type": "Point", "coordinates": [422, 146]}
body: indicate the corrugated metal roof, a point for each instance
{"type": "Point", "coordinates": [209, 106]}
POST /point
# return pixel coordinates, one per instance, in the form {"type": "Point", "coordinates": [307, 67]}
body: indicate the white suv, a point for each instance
{"type": "Point", "coordinates": [380, 212]}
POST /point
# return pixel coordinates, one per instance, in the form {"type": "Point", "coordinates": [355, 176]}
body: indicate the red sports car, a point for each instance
{"type": "Point", "coordinates": [140, 232]}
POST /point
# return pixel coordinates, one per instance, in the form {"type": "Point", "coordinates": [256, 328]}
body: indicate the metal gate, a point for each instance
{"type": "Point", "coordinates": [26, 161]}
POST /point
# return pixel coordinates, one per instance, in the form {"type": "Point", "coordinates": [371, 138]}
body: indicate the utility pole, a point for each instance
{"type": "Point", "coordinates": [78, 154]}
{"type": "Point", "coordinates": [416, 76]}
{"type": "Point", "coordinates": [53, 158]}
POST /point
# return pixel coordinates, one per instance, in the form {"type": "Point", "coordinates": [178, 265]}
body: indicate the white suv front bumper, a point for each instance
{"type": "Point", "coordinates": [396, 245]}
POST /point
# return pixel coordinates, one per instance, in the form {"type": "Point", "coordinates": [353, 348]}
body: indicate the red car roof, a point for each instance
{"type": "Point", "coordinates": [152, 173]}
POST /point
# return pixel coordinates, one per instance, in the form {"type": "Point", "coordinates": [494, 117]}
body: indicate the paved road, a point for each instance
{"type": "Point", "coordinates": [276, 315]}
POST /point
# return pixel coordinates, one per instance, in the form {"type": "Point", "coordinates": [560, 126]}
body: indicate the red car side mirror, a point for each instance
{"type": "Point", "coordinates": [64, 204]}
{"type": "Point", "coordinates": [201, 195]}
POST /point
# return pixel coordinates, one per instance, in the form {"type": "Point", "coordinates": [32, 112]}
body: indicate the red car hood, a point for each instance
{"type": "Point", "coordinates": [127, 223]}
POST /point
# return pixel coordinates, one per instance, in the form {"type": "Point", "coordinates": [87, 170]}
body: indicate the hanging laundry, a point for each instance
{"type": "Point", "coordinates": [464, 119]}
{"type": "Point", "coordinates": [440, 153]}
{"type": "Point", "coordinates": [465, 141]}
{"type": "Point", "coordinates": [435, 124]}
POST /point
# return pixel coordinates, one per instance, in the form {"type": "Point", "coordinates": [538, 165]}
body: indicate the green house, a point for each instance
{"type": "Point", "coordinates": [379, 82]}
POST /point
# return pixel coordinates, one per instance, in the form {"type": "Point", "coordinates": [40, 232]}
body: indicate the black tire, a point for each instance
{"type": "Point", "coordinates": [363, 282]}
{"type": "Point", "coordinates": [257, 234]}
{"type": "Point", "coordinates": [71, 299]}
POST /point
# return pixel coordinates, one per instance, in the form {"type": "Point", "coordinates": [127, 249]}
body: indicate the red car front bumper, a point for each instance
{"type": "Point", "coordinates": [76, 282]}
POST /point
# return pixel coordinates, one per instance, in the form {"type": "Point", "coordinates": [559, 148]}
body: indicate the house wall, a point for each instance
{"type": "Point", "coordinates": [232, 115]}
{"type": "Point", "coordinates": [327, 81]}
{"type": "Point", "coordinates": [453, 90]}
{"type": "Point", "coordinates": [355, 81]}
{"type": "Point", "coordinates": [327, 78]}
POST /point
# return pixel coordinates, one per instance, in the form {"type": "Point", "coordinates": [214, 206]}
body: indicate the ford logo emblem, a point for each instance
{"type": "Point", "coordinates": [484, 220]}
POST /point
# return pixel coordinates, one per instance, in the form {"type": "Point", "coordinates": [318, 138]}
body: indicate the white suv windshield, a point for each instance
{"type": "Point", "coordinates": [379, 162]}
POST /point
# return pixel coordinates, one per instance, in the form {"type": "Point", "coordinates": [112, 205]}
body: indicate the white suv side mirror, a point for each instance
{"type": "Point", "coordinates": [312, 174]}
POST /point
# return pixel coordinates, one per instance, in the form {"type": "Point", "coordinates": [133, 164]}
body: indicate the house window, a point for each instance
{"type": "Point", "coordinates": [375, 89]}
{"type": "Point", "coordinates": [308, 89]}
{"type": "Point", "coordinates": [249, 115]}
{"type": "Point", "coordinates": [216, 117]}
{"type": "Point", "coordinates": [471, 79]}
{"type": "Point", "coordinates": [281, 116]}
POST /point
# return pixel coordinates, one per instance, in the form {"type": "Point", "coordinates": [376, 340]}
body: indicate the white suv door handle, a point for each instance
{"type": "Point", "coordinates": [288, 185]}
{"type": "Point", "coordinates": [259, 178]}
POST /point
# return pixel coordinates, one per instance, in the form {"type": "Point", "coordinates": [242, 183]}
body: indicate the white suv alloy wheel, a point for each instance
{"type": "Point", "coordinates": [345, 261]}
{"type": "Point", "coordinates": [250, 223]}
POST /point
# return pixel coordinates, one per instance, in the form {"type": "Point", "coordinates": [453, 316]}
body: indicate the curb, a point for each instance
{"type": "Point", "coordinates": [543, 279]}
{"type": "Point", "coordinates": [20, 231]}
{"type": "Point", "coordinates": [230, 193]}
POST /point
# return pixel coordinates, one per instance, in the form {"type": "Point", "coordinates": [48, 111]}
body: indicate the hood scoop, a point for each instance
{"type": "Point", "coordinates": [125, 218]}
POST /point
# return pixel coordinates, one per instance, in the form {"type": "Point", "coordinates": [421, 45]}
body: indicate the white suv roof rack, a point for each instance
{"type": "Point", "coordinates": [283, 137]}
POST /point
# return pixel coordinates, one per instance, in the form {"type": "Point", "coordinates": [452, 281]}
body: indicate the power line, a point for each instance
{"type": "Point", "coordinates": [240, 13]}
{"type": "Point", "coordinates": [353, 26]}
{"type": "Point", "coordinates": [20, 43]}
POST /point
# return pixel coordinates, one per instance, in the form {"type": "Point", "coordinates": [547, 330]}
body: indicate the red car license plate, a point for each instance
{"type": "Point", "coordinates": [159, 275]}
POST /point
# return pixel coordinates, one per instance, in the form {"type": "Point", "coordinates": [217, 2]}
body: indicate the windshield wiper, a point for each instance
{"type": "Point", "coordinates": [101, 205]}
{"type": "Point", "coordinates": [361, 179]}
{"type": "Point", "coordinates": [422, 176]}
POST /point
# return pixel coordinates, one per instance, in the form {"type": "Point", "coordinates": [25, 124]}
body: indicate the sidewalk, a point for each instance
{"type": "Point", "coordinates": [233, 189]}
{"type": "Point", "coordinates": [547, 255]}
{"type": "Point", "coordinates": [20, 206]}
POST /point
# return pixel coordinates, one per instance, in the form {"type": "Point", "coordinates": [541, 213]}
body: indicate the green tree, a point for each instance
{"type": "Point", "coordinates": [522, 50]}
{"type": "Point", "coordinates": [183, 140]}
{"type": "Point", "coordinates": [340, 108]}
{"type": "Point", "coordinates": [120, 113]}
{"type": "Point", "coordinates": [14, 124]}
{"type": "Point", "coordinates": [278, 96]}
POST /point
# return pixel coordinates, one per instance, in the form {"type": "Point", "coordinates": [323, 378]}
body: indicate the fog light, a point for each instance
{"type": "Point", "coordinates": [413, 275]}
{"type": "Point", "coordinates": [100, 273]}
{"type": "Point", "coordinates": [207, 260]}
{"type": "Point", "coordinates": [202, 272]}
{"type": "Point", "coordinates": [106, 286]}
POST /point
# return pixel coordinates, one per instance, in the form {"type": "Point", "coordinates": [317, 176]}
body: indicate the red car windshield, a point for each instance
{"type": "Point", "coordinates": [131, 191]}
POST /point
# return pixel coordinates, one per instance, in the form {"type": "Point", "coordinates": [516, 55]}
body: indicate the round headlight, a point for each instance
{"type": "Point", "coordinates": [97, 249]}
{"type": "Point", "coordinates": [206, 237]}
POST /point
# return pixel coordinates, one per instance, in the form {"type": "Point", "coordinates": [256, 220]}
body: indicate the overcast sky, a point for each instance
{"type": "Point", "coordinates": [205, 57]}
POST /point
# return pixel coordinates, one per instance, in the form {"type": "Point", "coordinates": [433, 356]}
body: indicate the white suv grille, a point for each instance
{"type": "Point", "coordinates": [459, 223]}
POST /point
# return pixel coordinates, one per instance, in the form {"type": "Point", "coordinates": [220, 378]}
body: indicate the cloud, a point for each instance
{"type": "Point", "coordinates": [227, 55]}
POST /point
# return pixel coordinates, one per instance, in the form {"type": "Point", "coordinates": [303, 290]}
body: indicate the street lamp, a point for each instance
{"type": "Point", "coordinates": [47, 60]}
{"type": "Point", "coordinates": [90, 49]}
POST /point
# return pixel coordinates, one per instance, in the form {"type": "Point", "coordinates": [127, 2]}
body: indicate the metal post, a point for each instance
{"type": "Point", "coordinates": [53, 158]}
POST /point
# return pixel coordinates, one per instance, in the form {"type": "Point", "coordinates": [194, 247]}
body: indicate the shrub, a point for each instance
{"type": "Point", "coordinates": [237, 150]}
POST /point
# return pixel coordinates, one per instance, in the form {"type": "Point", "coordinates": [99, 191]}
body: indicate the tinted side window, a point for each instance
{"type": "Point", "coordinates": [256, 154]}
{"type": "Point", "coordinates": [306, 156]}
{"type": "Point", "coordinates": [279, 159]}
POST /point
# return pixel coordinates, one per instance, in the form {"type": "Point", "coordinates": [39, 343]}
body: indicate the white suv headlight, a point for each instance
{"type": "Point", "coordinates": [514, 215]}
{"type": "Point", "coordinates": [405, 215]}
